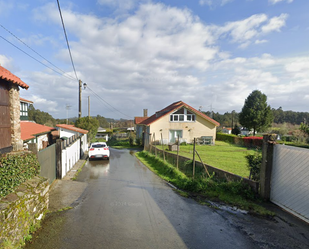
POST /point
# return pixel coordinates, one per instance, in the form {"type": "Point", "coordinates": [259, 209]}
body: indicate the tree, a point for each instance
{"type": "Point", "coordinates": [256, 114]}
{"type": "Point", "coordinates": [40, 117]}
{"type": "Point", "coordinates": [304, 128]}
{"type": "Point", "coordinates": [89, 124]}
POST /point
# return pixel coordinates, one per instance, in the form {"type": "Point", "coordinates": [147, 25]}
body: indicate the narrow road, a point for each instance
{"type": "Point", "coordinates": [125, 205]}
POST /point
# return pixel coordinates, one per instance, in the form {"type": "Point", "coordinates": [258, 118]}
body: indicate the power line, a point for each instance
{"type": "Point", "coordinates": [98, 96]}
{"type": "Point", "coordinates": [34, 51]}
{"type": "Point", "coordinates": [34, 58]}
{"type": "Point", "coordinates": [66, 37]}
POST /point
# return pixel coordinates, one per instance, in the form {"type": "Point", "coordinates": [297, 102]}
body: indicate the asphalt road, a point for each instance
{"type": "Point", "coordinates": [125, 205]}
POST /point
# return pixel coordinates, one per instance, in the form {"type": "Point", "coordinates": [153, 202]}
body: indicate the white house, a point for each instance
{"type": "Point", "coordinates": [177, 119]}
{"type": "Point", "coordinates": [67, 131]}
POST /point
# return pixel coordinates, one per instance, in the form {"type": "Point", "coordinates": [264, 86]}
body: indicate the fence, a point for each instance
{"type": "Point", "coordinates": [56, 160]}
{"type": "Point", "coordinates": [47, 160]}
{"type": "Point", "coordinates": [194, 167]}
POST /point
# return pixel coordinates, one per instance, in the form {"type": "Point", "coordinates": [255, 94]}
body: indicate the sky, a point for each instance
{"type": "Point", "coordinates": [136, 55]}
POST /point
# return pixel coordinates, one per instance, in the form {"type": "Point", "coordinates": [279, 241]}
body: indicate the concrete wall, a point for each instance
{"type": "Point", "coordinates": [191, 130]}
{"type": "Point", "coordinates": [22, 209]}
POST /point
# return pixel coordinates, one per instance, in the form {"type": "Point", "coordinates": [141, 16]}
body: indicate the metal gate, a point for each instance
{"type": "Point", "coordinates": [47, 160]}
{"type": "Point", "coordinates": [290, 180]}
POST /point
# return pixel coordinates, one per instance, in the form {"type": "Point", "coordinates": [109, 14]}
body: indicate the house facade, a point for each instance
{"type": "Point", "coordinates": [177, 119]}
{"type": "Point", "coordinates": [10, 131]}
{"type": "Point", "coordinates": [67, 131]}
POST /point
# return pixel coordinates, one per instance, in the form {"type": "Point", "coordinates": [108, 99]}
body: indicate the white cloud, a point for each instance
{"type": "Point", "coordinates": [278, 1]}
{"type": "Point", "coordinates": [214, 3]}
{"type": "Point", "coordinates": [275, 23]}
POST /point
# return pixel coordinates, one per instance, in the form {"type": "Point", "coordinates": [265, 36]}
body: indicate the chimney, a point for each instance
{"type": "Point", "coordinates": [145, 112]}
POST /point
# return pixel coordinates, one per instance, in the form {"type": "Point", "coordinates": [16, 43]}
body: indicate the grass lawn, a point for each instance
{"type": "Point", "coordinates": [228, 157]}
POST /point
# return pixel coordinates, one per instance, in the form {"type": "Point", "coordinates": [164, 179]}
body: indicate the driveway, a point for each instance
{"type": "Point", "coordinates": [125, 205]}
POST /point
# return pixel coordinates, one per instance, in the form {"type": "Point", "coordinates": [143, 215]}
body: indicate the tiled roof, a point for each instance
{"type": "Point", "coordinates": [138, 120]}
{"type": "Point", "coordinates": [173, 107]}
{"type": "Point", "coordinates": [8, 76]}
{"type": "Point", "coordinates": [25, 100]}
{"type": "Point", "coordinates": [29, 130]}
{"type": "Point", "coordinates": [72, 128]}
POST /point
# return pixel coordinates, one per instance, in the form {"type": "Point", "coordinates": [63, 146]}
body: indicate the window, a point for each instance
{"type": "Point", "coordinates": [182, 115]}
{"type": "Point", "coordinates": [23, 109]}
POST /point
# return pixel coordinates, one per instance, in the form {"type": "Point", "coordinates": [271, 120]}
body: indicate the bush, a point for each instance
{"type": "Point", "coordinates": [16, 169]}
{"type": "Point", "coordinates": [226, 138]}
{"type": "Point", "coordinates": [254, 165]}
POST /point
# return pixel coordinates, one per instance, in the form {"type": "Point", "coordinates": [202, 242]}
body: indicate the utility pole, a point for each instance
{"type": "Point", "coordinates": [80, 100]}
{"type": "Point", "coordinates": [88, 106]}
{"type": "Point", "coordinates": [68, 108]}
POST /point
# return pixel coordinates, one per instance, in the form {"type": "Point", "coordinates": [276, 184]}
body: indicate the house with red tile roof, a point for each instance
{"type": "Point", "coordinates": [10, 111]}
{"type": "Point", "coordinates": [67, 131]}
{"type": "Point", "coordinates": [177, 119]}
{"type": "Point", "coordinates": [32, 132]}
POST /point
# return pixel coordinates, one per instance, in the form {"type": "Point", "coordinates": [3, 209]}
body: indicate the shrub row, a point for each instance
{"type": "Point", "coordinates": [16, 169]}
{"type": "Point", "coordinates": [242, 141]}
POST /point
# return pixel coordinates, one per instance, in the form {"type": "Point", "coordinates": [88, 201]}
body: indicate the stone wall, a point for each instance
{"type": "Point", "coordinates": [17, 143]}
{"type": "Point", "coordinates": [22, 209]}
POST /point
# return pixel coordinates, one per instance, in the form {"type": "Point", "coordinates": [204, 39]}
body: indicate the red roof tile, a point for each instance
{"type": "Point", "coordinates": [25, 100]}
{"type": "Point", "coordinates": [8, 76]}
{"type": "Point", "coordinates": [173, 107]}
{"type": "Point", "coordinates": [138, 120]}
{"type": "Point", "coordinates": [72, 128]}
{"type": "Point", "coordinates": [30, 129]}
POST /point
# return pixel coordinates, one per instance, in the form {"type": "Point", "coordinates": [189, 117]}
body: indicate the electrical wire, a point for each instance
{"type": "Point", "coordinates": [35, 58]}
{"type": "Point", "coordinates": [66, 37]}
{"type": "Point", "coordinates": [63, 72]}
{"type": "Point", "coordinates": [99, 97]}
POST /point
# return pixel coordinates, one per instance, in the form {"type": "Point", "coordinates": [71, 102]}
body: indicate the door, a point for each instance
{"type": "Point", "coordinates": [5, 123]}
{"type": "Point", "coordinates": [174, 135]}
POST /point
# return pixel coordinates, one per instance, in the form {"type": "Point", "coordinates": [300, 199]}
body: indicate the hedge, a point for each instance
{"type": "Point", "coordinates": [248, 142]}
{"type": "Point", "coordinates": [16, 169]}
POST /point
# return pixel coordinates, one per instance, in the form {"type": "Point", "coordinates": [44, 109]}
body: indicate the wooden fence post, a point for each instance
{"type": "Point", "coordinates": [193, 157]}
{"type": "Point", "coordinates": [266, 167]}
{"type": "Point", "coordinates": [177, 152]}
{"type": "Point", "coordinates": [162, 147]}
{"type": "Point", "coordinates": [154, 138]}
{"type": "Point", "coordinates": [58, 159]}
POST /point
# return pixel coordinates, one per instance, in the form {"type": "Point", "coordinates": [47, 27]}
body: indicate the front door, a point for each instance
{"type": "Point", "coordinates": [174, 135]}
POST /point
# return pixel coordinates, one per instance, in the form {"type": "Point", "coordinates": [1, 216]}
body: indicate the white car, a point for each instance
{"type": "Point", "coordinates": [99, 150]}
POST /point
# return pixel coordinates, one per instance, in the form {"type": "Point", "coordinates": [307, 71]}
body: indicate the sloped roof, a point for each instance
{"type": "Point", "coordinates": [138, 120]}
{"type": "Point", "coordinates": [174, 107]}
{"type": "Point", "coordinates": [8, 76]}
{"type": "Point", "coordinates": [72, 128]}
{"type": "Point", "coordinates": [29, 130]}
{"type": "Point", "coordinates": [25, 100]}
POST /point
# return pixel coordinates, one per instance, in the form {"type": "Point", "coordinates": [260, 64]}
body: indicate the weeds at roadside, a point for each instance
{"type": "Point", "coordinates": [232, 193]}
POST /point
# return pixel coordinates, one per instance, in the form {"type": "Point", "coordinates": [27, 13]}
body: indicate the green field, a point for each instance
{"type": "Point", "coordinates": [228, 157]}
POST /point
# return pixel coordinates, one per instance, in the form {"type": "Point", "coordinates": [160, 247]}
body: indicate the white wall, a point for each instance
{"type": "Point", "coordinates": [67, 133]}
{"type": "Point", "coordinates": [70, 156]}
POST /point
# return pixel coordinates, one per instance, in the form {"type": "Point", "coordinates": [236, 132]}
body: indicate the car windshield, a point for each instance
{"type": "Point", "coordinates": [98, 145]}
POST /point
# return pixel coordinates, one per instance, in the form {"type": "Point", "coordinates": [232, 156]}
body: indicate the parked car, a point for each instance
{"type": "Point", "coordinates": [99, 150]}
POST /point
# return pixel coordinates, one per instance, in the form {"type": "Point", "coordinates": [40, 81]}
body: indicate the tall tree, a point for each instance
{"type": "Point", "coordinates": [256, 114]}
{"type": "Point", "coordinates": [89, 124]}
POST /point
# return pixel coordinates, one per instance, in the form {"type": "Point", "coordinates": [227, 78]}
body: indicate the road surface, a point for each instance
{"type": "Point", "coordinates": [125, 205]}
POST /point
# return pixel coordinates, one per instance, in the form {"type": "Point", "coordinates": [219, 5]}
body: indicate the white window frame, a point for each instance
{"type": "Point", "coordinates": [182, 117]}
